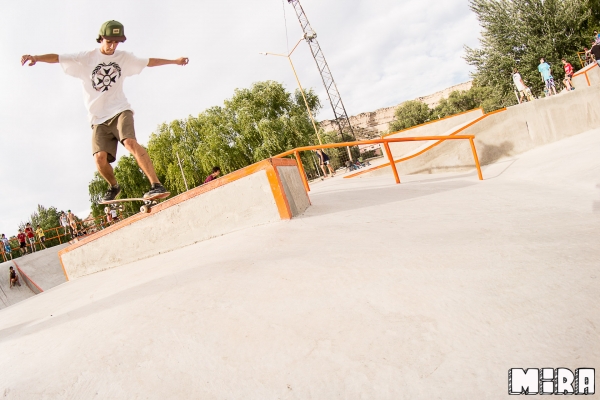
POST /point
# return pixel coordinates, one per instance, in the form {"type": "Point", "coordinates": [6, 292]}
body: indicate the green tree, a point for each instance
{"type": "Point", "coordinates": [465, 100]}
{"type": "Point", "coordinates": [410, 113]}
{"type": "Point", "coordinates": [517, 33]}
{"type": "Point", "coordinates": [255, 124]}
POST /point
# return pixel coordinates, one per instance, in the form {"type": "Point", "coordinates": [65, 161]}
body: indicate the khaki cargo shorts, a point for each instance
{"type": "Point", "coordinates": [107, 135]}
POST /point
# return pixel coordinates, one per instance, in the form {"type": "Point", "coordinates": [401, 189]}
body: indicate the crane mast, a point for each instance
{"type": "Point", "coordinates": [341, 117]}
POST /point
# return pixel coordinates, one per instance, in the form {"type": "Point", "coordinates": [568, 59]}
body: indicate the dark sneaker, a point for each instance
{"type": "Point", "coordinates": [156, 190]}
{"type": "Point", "coordinates": [112, 193]}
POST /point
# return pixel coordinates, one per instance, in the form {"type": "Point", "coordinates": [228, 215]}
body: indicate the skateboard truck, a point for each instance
{"type": "Point", "coordinates": [148, 203]}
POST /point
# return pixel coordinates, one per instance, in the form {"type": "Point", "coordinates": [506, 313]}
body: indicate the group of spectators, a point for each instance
{"type": "Point", "coordinates": [27, 240]}
{"type": "Point", "coordinates": [546, 73]}
{"type": "Point", "coordinates": [592, 55]}
{"type": "Point", "coordinates": [28, 237]}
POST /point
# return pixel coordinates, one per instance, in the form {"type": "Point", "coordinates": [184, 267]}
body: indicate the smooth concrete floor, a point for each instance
{"type": "Point", "coordinates": [432, 289]}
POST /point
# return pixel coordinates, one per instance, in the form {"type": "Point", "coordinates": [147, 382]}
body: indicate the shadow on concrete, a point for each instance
{"type": "Point", "coordinates": [488, 154]}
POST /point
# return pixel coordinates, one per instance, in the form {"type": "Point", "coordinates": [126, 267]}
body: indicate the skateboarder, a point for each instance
{"type": "Point", "coordinates": [14, 278]}
{"type": "Point", "coordinates": [102, 72]}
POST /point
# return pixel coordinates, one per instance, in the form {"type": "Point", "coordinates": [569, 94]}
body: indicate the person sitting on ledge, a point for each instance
{"type": "Point", "coordinates": [14, 278]}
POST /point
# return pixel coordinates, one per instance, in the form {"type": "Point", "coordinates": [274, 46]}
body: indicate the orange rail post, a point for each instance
{"type": "Point", "coordinates": [476, 159]}
{"type": "Point", "coordinates": [587, 79]}
{"type": "Point", "coordinates": [301, 168]}
{"type": "Point", "coordinates": [391, 159]}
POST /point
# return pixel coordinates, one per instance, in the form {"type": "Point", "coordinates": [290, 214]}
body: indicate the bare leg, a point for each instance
{"type": "Point", "coordinates": [143, 159]}
{"type": "Point", "coordinates": [324, 172]}
{"type": "Point", "coordinates": [104, 167]}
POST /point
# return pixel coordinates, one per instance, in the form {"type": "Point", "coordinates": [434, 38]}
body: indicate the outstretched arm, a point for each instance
{"type": "Point", "coordinates": [47, 58]}
{"type": "Point", "coordinates": [157, 62]}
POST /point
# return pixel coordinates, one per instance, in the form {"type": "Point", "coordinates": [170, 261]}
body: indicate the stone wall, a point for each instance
{"type": "Point", "coordinates": [369, 125]}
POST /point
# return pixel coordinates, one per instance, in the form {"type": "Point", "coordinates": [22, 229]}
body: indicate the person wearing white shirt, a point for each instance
{"type": "Point", "coordinates": [102, 72]}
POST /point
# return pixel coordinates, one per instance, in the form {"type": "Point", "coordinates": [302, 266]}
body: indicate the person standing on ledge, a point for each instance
{"type": "Point", "coordinates": [102, 72]}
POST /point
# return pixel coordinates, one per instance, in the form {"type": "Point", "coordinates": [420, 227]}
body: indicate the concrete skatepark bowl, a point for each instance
{"type": "Point", "coordinates": [430, 289]}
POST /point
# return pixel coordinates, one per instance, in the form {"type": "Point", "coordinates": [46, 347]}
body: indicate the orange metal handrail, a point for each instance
{"type": "Point", "coordinates": [585, 71]}
{"type": "Point", "coordinates": [455, 133]}
{"type": "Point", "coordinates": [433, 121]}
{"type": "Point", "coordinates": [385, 142]}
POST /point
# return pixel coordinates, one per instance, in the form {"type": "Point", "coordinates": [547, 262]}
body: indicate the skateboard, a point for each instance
{"type": "Point", "coordinates": [148, 203]}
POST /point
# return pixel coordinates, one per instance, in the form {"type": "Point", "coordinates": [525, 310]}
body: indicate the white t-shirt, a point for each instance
{"type": "Point", "coordinates": [518, 82]}
{"type": "Point", "coordinates": [102, 77]}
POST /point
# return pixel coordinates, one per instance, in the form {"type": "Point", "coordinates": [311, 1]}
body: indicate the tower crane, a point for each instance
{"type": "Point", "coordinates": [341, 117]}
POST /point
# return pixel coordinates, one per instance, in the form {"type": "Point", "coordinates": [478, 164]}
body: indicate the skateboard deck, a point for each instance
{"type": "Point", "coordinates": [148, 202]}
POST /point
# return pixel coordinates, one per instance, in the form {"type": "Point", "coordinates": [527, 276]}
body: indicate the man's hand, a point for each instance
{"type": "Point", "coordinates": [29, 58]}
{"type": "Point", "coordinates": [182, 61]}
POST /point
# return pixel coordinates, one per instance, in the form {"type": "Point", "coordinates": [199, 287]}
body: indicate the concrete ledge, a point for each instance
{"type": "Point", "coordinates": [514, 131]}
{"type": "Point", "coordinates": [261, 193]}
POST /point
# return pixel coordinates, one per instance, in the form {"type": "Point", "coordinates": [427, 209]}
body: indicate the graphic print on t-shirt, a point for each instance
{"type": "Point", "coordinates": [104, 75]}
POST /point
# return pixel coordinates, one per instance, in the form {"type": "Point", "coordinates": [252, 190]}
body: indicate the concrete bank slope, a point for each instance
{"type": "Point", "coordinates": [432, 289]}
{"type": "Point", "coordinates": [265, 192]}
{"type": "Point", "coordinates": [437, 127]}
{"type": "Point", "coordinates": [10, 296]}
{"type": "Point", "coordinates": [44, 267]}
{"type": "Point", "coordinates": [510, 132]}
{"type": "Point", "coordinates": [587, 76]}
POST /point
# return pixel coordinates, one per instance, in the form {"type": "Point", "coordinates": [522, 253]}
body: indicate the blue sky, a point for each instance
{"type": "Point", "coordinates": [381, 52]}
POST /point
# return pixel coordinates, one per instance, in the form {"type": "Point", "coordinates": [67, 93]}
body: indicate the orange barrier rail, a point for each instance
{"type": "Point", "coordinates": [433, 121]}
{"type": "Point", "coordinates": [386, 144]}
{"type": "Point", "coordinates": [462, 128]}
{"type": "Point", "coordinates": [585, 71]}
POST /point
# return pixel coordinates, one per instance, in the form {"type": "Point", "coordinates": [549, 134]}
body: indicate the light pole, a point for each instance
{"type": "Point", "coordinates": [299, 85]}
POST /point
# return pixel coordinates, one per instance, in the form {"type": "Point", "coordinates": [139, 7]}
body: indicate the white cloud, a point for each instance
{"type": "Point", "coordinates": [381, 52]}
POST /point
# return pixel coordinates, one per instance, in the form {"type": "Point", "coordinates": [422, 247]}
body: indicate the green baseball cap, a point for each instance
{"type": "Point", "coordinates": [112, 30]}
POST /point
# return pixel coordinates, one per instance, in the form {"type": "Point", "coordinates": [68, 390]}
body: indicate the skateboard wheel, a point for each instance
{"type": "Point", "coordinates": [145, 209]}
{"type": "Point", "coordinates": [106, 209]}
